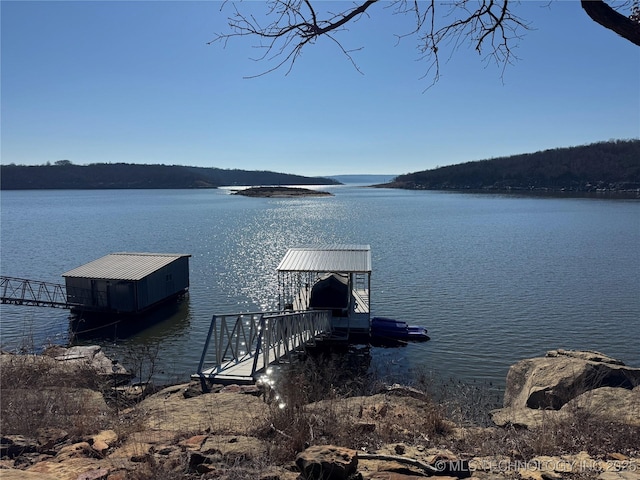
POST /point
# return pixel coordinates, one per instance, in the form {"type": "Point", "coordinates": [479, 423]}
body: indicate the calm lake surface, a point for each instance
{"type": "Point", "coordinates": [494, 278]}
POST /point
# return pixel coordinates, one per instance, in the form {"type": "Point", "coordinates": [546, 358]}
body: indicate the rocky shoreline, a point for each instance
{"type": "Point", "coordinates": [398, 433]}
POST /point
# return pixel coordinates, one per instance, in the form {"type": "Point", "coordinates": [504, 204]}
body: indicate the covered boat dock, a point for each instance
{"type": "Point", "coordinates": [126, 282]}
{"type": "Point", "coordinates": [335, 278]}
{"type": "Point", "coordinates": [324, 298]}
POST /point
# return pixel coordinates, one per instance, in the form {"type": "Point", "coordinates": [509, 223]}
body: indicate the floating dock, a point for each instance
{"type": "Point", "coordinates": [119, 283]}
{"type": "Point", "coordinates": [127, 283]}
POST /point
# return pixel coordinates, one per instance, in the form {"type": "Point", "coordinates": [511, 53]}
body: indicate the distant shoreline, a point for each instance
{"type": "Point", "coordinates": [116, 176]}
{"type": "Point", "coordinates": [599, 170]}
{"type": "Point", "coordinates": [601, 194]}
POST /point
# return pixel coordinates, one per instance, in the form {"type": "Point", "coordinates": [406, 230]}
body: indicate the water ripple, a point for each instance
{"type": "Point", "coordinates": [495, 279]}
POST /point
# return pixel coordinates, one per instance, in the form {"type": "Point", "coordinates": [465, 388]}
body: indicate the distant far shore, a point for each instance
{"type": "Point", "coordinates": [629, 194]}
{"type": "Point", "coordinates": [64, 175]}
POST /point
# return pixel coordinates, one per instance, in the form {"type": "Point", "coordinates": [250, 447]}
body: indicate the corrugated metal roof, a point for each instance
{"type": "Point", "coordinates": [124, 266]}
{"type": "Point", "coordinates": [333, 258]}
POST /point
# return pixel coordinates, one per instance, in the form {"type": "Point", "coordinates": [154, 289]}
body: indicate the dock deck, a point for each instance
{"type": "Point", "coordinates": [243, 370]}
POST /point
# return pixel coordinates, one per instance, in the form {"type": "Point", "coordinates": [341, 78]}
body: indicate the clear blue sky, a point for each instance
{"type": "Point", "coordinates": [136, 82]}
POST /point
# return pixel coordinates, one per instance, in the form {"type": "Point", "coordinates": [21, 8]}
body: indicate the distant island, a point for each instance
{"type": "Point", "coordinates": [64, 175]}
{"type": "Point", "coordinates": [281, 192]}
{"type": "Point", "coordinates": [611, 167]}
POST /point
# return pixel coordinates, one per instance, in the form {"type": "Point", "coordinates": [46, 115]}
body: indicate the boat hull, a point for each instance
{"type": "Point", "coordinates": [389, 329]}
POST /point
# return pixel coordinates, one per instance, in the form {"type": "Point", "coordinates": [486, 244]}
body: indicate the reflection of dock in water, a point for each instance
{"type": "Point", "coordinates": [164, 321]}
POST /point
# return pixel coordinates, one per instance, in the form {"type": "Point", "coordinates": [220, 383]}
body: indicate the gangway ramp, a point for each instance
{"type": "Point", "coordinates": [239, 347]}
{"type": "Point", "coordinates": [22, 291]}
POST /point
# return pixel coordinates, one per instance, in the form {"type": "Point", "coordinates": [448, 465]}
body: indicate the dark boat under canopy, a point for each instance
{"type": "Point", "coordinates": [331, 292]}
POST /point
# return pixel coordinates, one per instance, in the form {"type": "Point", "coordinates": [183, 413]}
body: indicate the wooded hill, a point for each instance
{"type": "Point", "coordinates": [65, 175]}
{"type": "Point", "coordinates": [604, 166]}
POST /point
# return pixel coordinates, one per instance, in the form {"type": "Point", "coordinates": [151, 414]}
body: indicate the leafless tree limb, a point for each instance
{"type": "Point", "coordinates": [489, 26]}
{"type": "Point", "coordinates": [608, 17]}
{"type": "Point", "coordinates": [294, 25]}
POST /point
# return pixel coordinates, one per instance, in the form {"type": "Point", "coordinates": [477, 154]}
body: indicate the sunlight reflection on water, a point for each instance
{"type": "Point", "coordinates": [495, 279]}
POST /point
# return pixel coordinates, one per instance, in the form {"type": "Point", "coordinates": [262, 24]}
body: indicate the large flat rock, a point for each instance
{"type": "Point", "coordinates": [566, 381]}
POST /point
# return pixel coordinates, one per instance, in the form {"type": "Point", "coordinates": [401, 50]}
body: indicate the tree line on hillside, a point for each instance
{"type": "Point", "coordinates": [63, 174]}
{"type": "Point", "coordinates": [603, 166]}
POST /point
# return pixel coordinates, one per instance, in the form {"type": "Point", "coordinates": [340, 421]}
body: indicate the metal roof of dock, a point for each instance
{"type": "Point", "coordinates": [124, 266]}
{"type": "Point", "coordinates": [331, 258]}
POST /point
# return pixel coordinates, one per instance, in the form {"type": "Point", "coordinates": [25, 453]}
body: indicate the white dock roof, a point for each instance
{"type": "Point", "coordinates": [124, 266]}
{"type": "Point", "coordinates": [333, 258]}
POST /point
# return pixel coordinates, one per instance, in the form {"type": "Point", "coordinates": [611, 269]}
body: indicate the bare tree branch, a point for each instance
{"type": "Point", "coordinates": [489, 26]}
{"type": "Point", "coordinates": [295, 24]}
{"type": "Point", "coordinates": [603, 14]}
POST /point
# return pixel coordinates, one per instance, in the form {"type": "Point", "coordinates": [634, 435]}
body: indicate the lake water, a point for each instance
{"type": "Point", "coordinates": [494, 278]}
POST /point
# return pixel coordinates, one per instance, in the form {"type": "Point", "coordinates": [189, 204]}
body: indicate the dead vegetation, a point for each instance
{"type": "Point", "coordinates": [327, 399]}
{"type": "Point", "coordinates": [336, 399]}
{"type": "Point", "coordinates": [38, 395]}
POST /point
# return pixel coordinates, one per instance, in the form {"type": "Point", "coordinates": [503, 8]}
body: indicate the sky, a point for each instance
{"type": "Point", "coordinates": [137, 82]}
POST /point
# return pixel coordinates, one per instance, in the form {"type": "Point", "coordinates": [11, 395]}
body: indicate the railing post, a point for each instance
{"type": "Point", "coordinates": [221, 334]}
{"type": "Point", "coordinates": [252, 335]}
{"type": "Point", "coordinates": [206, 345]}
{"type": "Point", "coordinates": [258, 346]}
{"type": "Point", "coordinates": [236, 329]}
{"type": "Point", "coordinates": [266, 353]}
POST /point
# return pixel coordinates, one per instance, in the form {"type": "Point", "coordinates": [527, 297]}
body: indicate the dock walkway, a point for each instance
{"type": "Point", "coordinates": [240, 347]}
{"type": "Point", "coordinates": [21, 291]}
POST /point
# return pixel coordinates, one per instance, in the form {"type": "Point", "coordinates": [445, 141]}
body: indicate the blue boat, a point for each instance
{"type": "Point", "coordinates": [388, 329]}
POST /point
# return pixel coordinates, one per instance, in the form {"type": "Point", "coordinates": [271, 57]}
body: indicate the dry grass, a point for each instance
{"type": "Point", "coordinates": [325, 401]}
{"type": "Point", "coordinates": [37, 394]}
{"type": "Point", "coordinates": [465, 403]}
{"type": "Point", "coordinates": [329, 399]}
{"type": "Point", "coordinates": [174, 468]}
{"type": "Point", "coordinates": [582, 431]}
{"type": "Point", "coordinates": [40, 395]}
{"type": "Point", "coordinates": [556, 436]}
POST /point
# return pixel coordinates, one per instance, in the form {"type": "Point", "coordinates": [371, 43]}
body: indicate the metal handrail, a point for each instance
{"type": "Point", "coordinates": [274, 335]}
{"type": "Point", "coordinates": [21, 291]}
{"type": "Point", "coordinates": [227, 331]}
